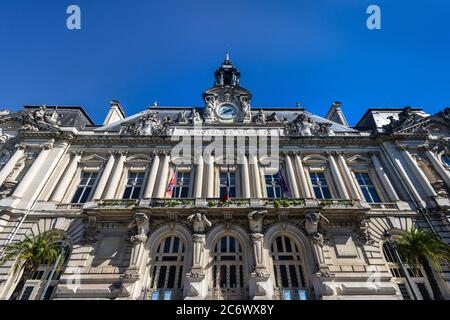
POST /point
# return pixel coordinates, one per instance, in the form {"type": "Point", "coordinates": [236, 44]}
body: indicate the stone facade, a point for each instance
{"type": "Point", "coordinates": [142, 221]}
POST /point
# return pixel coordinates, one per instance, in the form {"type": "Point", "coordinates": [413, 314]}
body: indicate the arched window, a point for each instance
{"type": "Point", "coordinates": [167, 271]}
{"type": "Point", "coordinates": [228, 273]}
{"type": "Point", "coordinates": [42, 282]}
{"type": "Point", "coordinates": [288, 270]}
{"type": "Point", "coordinates": [416, 275]}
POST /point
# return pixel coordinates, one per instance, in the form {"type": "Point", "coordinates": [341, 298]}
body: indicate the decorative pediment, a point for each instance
{"type": "Point", "coordinates": [93, 158]}
{"type": "Point", "coordinates": [304, 125]}
{"type": "Point", "coordinates": [358, 159]}
{"type": "Point", "coordinates": [33, 121]}
{"type": "Point", "coordinates": [149, 124]}
{"type": "Point", "coordinates": [409, 122]}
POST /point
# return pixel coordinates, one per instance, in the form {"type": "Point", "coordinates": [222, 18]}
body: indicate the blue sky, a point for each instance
{"type": "Point", "coordinates": [140, 51]}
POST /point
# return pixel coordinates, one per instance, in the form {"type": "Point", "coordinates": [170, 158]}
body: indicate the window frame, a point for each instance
{"type": "Point", "coordinates": [273, 186]}
{"type": "Point", "coordinates": [373, 185]}
{"type": "Point", "coordinates": [78, 185]}
{"type": "Point", "coordinates": [315, 172]}
{"type": "Point", "coordinates": [180, 187]}
{"type": "Point", "coordinates": [134, 185]}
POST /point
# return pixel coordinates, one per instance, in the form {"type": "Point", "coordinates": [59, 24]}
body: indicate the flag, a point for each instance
{"type": "Point", "coordinates": [284, 185]}
{"type": "Point", "coordinates": [171, 186]}
{"type": "Point", "coordinates": [226, 195]}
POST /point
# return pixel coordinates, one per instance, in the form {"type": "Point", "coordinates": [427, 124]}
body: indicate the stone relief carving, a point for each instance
{"type": "Point", "coordinates": [210, 102]}
{"type": "Point", "coordinates": [304, 125]}
{"type": "Point", "coordinates": [255, 219]}
{"type": "Point", "coordinates": [362, 231]}
{"type": "Point", "coordinates": [405, 118]}
{"type": "Point", "coordinates": [147, 125]}
{"type": "Point", "coordinates": [195, 117]}
{"type": "Point", "coordinates": [199, 222]}
{"type": "Point", "coordinates": [260, 118]}
{"type": "Point", "coordinates": [139, 228]}
{"type": "Point", "coordinates": [245, 104]}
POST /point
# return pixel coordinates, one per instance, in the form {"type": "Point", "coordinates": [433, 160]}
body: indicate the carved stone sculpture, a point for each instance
{"type": "Point", "coordinates": [199, 222]}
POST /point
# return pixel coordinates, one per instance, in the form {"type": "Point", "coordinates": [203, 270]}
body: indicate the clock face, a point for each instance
{"type": "Point", "coordinates": [227, 111]}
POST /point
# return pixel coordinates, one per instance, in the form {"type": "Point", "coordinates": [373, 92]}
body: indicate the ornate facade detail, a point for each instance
{"type": "Point", "coordinates": [304, 125]}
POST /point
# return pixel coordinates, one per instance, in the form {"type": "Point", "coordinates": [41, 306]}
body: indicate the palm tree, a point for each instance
{"type": "Point", "coordinates": [29, 254]}
{"type": "Point", "coordinates": [419, 247]}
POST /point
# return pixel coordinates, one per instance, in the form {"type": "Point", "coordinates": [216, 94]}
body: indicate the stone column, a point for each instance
{"type": "Point", "coordinates": [303, 180]}
{"type": "Point", "coordinates": [340, 185]}
{"type": "Point", "coordinates": [393, 153]}
{"type": "Point", "coordinates": [111, 189]}
{"type": "Point", "coordinates": [9, 166]}
{"type": "Point", "coordinates": [245, 176]}
{"type": "Point", "coordinates": [104, 177]}
{"type": "Point", "coordinates": [420, 176]}
{"type": "Point", "coordinates": [260, 285]}
{"type": "Point", "coordinates": [199, 249]}
{"type": "Point", "coordinates": [384, 178]}
{"type": "Point", "coordinates": [348, 177]}
{"type": "Point", "coordinates": [256, 175]}
{"type": "Point", "coordinates": [34, 169]}
{"type": "Point", "coordinates": [210, 183]}
{"type": "Point", "coordinates": [443, 172]}
{"type": "Point", "coordinates": [150, 187]}
{"type": "Point", "coordinates": [291, 177]}
{"type": "Point", "coordinates": [199, 176]}
{"type": "Point", "coordinates": [163, 176]}
{"type": "Point", "coordinates": [67, 177]}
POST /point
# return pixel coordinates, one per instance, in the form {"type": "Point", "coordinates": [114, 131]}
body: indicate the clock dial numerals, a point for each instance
{"type": "Point", "coordinates": [227, 111]}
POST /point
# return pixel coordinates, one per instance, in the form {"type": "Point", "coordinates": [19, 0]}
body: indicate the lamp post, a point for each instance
{"type": "Point", "coordinates": [393, 246]}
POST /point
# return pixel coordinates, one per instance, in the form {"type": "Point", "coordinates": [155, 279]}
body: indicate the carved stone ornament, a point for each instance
{"type": "Point", "coordinates": [255, 219]}
{"type": "Point", "coordinates": [405, 118]}
{"type": "Point", "coordinates": [260, 118]}
{"type": "Point", "coordinates": [139, 228]}
{"type": "Point", "coordinates": [304, 125]}
{"type": "Point", "coordinates": [147, 125]}
{"type": "Point", "coordinates": [37, 120]}
{"type": "Point", "coordinates": [199, 222]}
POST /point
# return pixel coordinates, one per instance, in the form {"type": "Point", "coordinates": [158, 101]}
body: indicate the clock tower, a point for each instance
{"type": "Point", "coordinates": [227, 101]}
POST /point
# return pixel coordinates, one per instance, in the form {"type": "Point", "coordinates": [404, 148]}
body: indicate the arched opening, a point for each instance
{"type": "Point", "coordinates": [41, 282]}
{"type": "Point", "coordinates": [400, 270]}
{"type": "Point", "coordinates": [288, 270]}
{"type": "Point", "coordinates": [167, 277]}
{"type": "Point", "coordinates": [229, 278]}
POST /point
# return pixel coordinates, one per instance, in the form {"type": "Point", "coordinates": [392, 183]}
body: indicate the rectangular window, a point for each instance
{"type": "Point", "coordinates": [27, 293]}
{"type": "Point", "coordinates": [273, 186]}
{"type": "Point", "coordinates": [85, 187]}
{"type": "Point", "coordinates": [181, 188]}
{"type": "Point", "coordinates": [320, 186]}
{"type": "Point", "coordinates": [228, 182]}
{"type": "Point", "coordinates": [367, 188]}
{"type": "Point", "coordinates": [404, 291]}
{"type": "Point", "coordinates": [134, 185]}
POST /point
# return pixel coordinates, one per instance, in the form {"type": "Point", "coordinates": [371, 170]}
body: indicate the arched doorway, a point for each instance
{"type": "Point", "coordinates": [229, 275]}
{"type": "Point", "coordinates": [288, 270]}
{"type": "Point", "coordinates": [167, 276]}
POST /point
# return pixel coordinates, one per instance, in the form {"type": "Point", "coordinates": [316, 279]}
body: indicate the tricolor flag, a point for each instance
{"type": "Point", "coordinates": [171, 186]}
{"type": "Point", "coordinates": [284, 186]}
{"type": "Point", "coordinates": [226, 195]}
